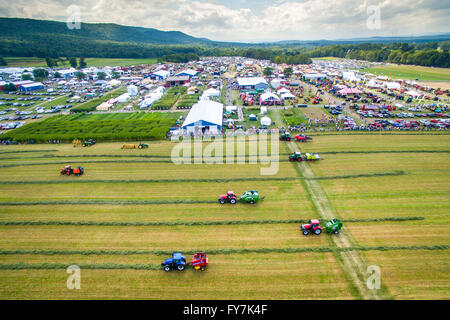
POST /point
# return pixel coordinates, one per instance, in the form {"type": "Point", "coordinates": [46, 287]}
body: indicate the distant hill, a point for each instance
{"type": "Point", "coordinates": [19, 28]}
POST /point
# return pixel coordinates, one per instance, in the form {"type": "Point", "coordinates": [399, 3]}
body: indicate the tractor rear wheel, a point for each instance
{"type": "Point", "coordinates": [299, 160]}
{"type": "Point", "coordinates": [180, 267]}
{"type": "Point", "coordinates": [317, 231]}
{"type": "Point", "coordinates": [232, 201]}
{"type": "Point", "coordinates": [202, 268]}
{"type": "Point", "coordinates": [252, 202]}
{"type": "Point", "coordinates": [336, 231]}
{"type": "Point", "coordinates": [167, 268]}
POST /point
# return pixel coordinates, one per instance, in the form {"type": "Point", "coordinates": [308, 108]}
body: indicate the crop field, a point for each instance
{"type": "Point", "coordinates": [133, 208]}
{"type": "Point", "coordinates": [102, 127]}
{"type": "Point", "coordinates": [411, 72]}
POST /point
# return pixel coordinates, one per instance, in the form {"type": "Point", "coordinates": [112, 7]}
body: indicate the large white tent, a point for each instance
{"type": "Point", "coordinates": [205, 115]}
{"type": "Point", "coordinates": [266, 121]}
{"type": "Point", "coordinates": [269, 96]}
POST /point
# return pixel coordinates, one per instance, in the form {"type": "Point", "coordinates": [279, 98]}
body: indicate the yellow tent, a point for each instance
{"type": "Point", "coordinates": [105, 106]}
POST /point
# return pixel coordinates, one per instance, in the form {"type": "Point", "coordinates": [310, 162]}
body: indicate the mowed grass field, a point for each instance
{"type": "Point", "coordinates": [255, 252]}
{"type": "Point", "coordinates": [408, 72]}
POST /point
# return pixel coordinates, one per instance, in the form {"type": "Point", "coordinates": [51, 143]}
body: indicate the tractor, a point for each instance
{"type": "Point", "coordinates": [199, 261]}
{"type": "Point", "coordinates": [178, 262]}
{"type": "Point", "coordinates": [312, 157]}
{"type": "Point", "coordinates": [68, 170]}
{"type": "Point", "coordinates": [296, 156]}
{"type": "Point", "coordinates": [143, 146]}
{"type": "Point", "coordinates": [285, 136]}
{"type": "Point", "coordinates": [251, 196]}
{"type": "Point", "coordinates": [89, 143]}
{"type": "Point", "coordinates": [230, 197]}
{"type": "Point", "coordinates": [76, 143]}
{"type": "Point", "coordinates": [333, 226]}
{"type": "Point", "coordinates": [302, 138]}
{"type": "Point", "coordinates": [312, 227]}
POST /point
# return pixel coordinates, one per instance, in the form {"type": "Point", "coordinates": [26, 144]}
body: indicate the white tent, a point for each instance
{"type": "Point", "coordinates": [392, 85]}
{"type": "Point", "coordinates": [267, 96]}
{"type": "Point", "coordinates": [373, 84]}
{"type": "Point", "coordinates": [275, 83]}
{"type": "Point", "coordinates": [231, 108]}
{"type": "Point", "coordinates": [263, 110]}
{"type": "Point", "coordinates": [283, 90]}
{"type": "Point", "coordinates": [287, 95]}
{"type": "Point", "coordinates": [114, 82]}
{"type": "Point", "coordinates": [266, 121]}
{"type": "Point", "coordinates": [413, 93]}
{"type": "Point", "coordinates": [132, 90]}
{"type": "Point", "coordinates": [211, 92]}
{"type": "Point", "coordinates": [204, 115]}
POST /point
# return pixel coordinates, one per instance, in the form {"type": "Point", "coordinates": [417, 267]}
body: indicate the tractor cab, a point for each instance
{"type": "Point", "coordinates": [312, 227]}
{"type": "Point", "coordinates": [296, 156]}
{"type": "Point", "coordinates": [285, 136]}
{"type": "Point", "coordinates": [67, 170]}
{"type": "Point", "coordinates": [178, 261]}
{"type": "Point", "coordinates": [230, 197]}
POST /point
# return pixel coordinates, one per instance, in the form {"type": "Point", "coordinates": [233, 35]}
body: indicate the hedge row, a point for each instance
{"type": "Point", "coordinates": [188, 223]}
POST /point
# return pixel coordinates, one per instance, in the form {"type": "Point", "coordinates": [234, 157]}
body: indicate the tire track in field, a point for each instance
{"type": "Point", "coordinates": [352, 261]}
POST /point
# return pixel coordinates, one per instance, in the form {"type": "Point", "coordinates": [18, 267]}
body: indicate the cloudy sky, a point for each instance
{"type": "Point", "coordinates": [253, 20]}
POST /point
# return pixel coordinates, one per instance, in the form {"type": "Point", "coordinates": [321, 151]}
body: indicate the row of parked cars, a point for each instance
{"type": "Point", "coordinates": [412, 124]}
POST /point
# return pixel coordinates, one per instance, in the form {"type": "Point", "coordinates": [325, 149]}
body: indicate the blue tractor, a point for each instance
{"type": "Point", "coordinates": [178, 262]}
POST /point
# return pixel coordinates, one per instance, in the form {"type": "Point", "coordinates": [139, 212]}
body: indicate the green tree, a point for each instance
{"type": "Point", "coordinates": [80, 75]}
{"type": "Point", "coordinates": [57, 75]}
{"type": "Point", "coordinates": [101, 75]}
{"type": "Point", "coordinates": [73, 62]}
{"type": "Point", "coordinates": [268, 71]}
{"type": "Point", "coordinates": [288, 72]}
{"type": "Point", "coordinates": [3, 62]}
{"type": "Point", "coordinates": [27, 76]}
{"type": "Point", "coordinates": [115, 75]}
{"type": "Point", "coordinates": [82, 64]}
{"type": "Point", "coordinates": [40, 74]}
{"type": "Point", "coordinates": [9, 87]}
{"type": "Point", "coordinates": [51, 62]}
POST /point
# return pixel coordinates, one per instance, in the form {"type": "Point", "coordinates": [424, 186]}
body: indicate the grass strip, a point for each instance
{"type": "Point", "coordinates": [103, 201]}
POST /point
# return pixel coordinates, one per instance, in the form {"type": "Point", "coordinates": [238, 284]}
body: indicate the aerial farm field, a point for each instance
{"type": "Point", "coordinates": [91, 62]}
{"type": "Point", "coordinates": [411, 72]}
{"type": "Point", "coordinates": [133, 208]}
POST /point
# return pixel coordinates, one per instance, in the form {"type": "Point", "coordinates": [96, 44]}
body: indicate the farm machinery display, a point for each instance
{"type": "Point", "coordinates": [285, 136]}
{"type": "Point", "coordinates": [68, 171]}
{"type": "Point", "coordinates": [178, 262]}
{"type": "Point", "coordinates": [135, 146]}
{"type": "Point", "coordinates": [302, 138]}
{"type": "Point", "coordinates": [89, 143]}
{"type": "Point", "coordinates": [313, 227]}
{"type": "Point", "coordinates": [251, 196]}
{"type": "Point", "coordinates": [297, 156]}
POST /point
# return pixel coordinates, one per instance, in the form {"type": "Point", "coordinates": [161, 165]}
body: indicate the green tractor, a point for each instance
{"type": "Point", "coordinates": [143, 146]}
{"type": "Point", "coordinates": [89, 143]}
{"type": "Point", "coordinates": [296, 156]}
{"type": "Point", "coordinates": [285, 136]}
{"type": "Point", "coordinates": [333, 226]}
{"type": "Point", "coordinates": [251, 196]}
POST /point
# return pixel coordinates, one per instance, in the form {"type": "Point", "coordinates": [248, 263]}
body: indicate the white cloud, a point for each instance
{"type": "Point", "coordinates": [279, 20]}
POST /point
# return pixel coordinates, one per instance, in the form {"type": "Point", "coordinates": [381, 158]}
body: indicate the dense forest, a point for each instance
{"type": "Point", "coordinates": [52, 40]}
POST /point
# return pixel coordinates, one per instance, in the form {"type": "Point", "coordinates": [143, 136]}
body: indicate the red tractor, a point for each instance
{"type": "Point", "coordinates": [312, 227]}
{"type": "Point", "coordinates": [230, 197]}
{"type": "Point", "coordinates": [302, 138]}
{"type": "Point", "coordinates": [68, 170]}
{"type": "Point", "coordinates": [200, 261]}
